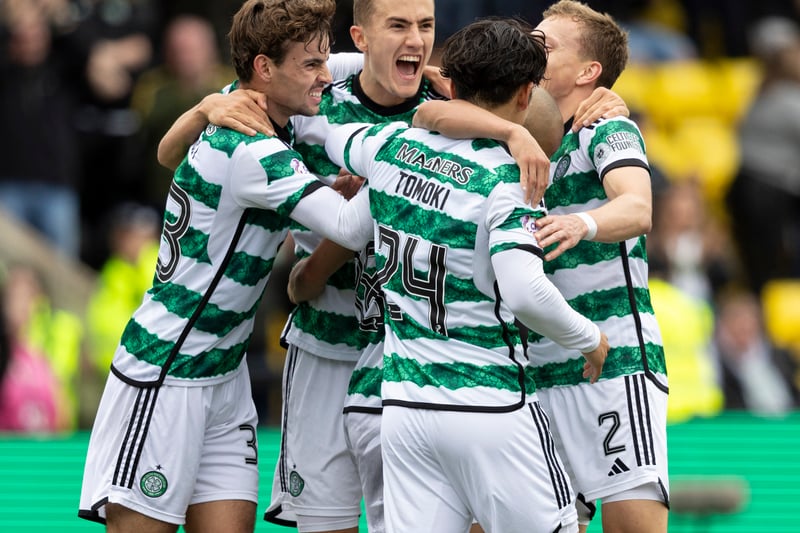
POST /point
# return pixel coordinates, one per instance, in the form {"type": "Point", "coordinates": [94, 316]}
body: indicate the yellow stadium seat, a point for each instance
{"type": "Point", "coordinates": [706, 149]}
{"type": "Point", "coordinates": [632, 86]}
{"type": "Point", "coordinates": [680, 89]}
{"type": "Point", "coordinates": [737, 83]}
{"type": "Point", "coordinates": [780, 299]}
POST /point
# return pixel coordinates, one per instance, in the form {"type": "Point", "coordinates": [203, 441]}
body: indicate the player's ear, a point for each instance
{"type": "Point", "coordinates": [591, 71]}
{"type": "Point", "coordinates": [524, 94]}
{"type": "Point", "coordinates": [263, 68]}
{"type": "Point", "coordinates": [359, 38]}
{"type": "Point", "coordinates": [452, 87]}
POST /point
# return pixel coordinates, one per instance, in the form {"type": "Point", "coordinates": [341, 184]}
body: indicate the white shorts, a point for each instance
{"type": "Point", "coordinates": [612, 436]}
{"type": "Point", "coordinates": [363, 435]}
{"type": "Point", "coordinates": [441, 468]}
{"type": "Point", "coordinates": [158, 450]}
{"type": "Point", "coordinates": [316, 485]}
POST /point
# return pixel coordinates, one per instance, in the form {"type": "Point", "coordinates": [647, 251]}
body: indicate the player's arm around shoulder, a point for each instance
{"type": "Point", "coordinates": [627, 213]}
{"type": "Point", "coordinates": [308, 277]}
{"type": "Point", "coordinates": [242, 110]}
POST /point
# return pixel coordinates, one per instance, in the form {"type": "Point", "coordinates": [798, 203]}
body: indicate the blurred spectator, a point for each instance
{"type": "Point", "coordinates": [767, 188]}
{"type": "Point", "coordinates": [692, 248]}
{"type": "Point", "coordinates": [39, 174]}
{"type": "Point", "coordinates": [653, 31]}
{"type": "Point", "coordinates": [756, 375]}
{"type": "Point", "coordinates": [718, 26]}
{"type": "Point", "coordinates": [687, 331]}
{"type": "Point", "coordinates": [109, 43]}
{"type": "Point", "coordinates": [190, 70]}
{"type": "Point", "coordinates": [32, 397]}
{"type": "Point", "coordinates": [126, 275]}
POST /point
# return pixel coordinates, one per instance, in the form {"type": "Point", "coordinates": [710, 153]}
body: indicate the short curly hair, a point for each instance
{"type": "Point", "coordinates": [269, 26]}
{"type": "Point", "coordinates": [490, 59]}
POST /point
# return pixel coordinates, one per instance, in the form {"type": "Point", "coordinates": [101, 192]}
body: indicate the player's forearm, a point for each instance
{"type": "Point", "coordinates": [460, 119]}
{"type": "Point", "coordinates": [183, 132]}
{"type": "Point", "coordinates": [625, 217]}
{"type": "Point", "coordinates": [309, 276]}
{"type": "Point", "coordinates": [537, 303]}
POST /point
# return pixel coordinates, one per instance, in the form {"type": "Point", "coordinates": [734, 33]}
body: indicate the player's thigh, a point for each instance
{"type": "Point", "coordinates": [418, 496]}
{"type": "Point", "coordinates": [231, 516]}
{"type": "Point", "coordinates": [611, 434]}
{"type": "Point", "coordinates": [363, 435]}
{"type": "Point", "coordinates": [635, 516]}
{"type": "Point", "coordinates": [120, 519]}
{"type": "Point", "coordinates": [503, 461]}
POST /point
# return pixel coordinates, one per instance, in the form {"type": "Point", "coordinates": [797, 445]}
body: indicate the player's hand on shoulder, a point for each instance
{"type": "Point", "coordinates": [565, 230]}
{"type": "Point", "coordinates": [593, 367]}
{"type": "Point", "coordinates": [534, 165]}
{"type": "Point", "coordinates": [602, 103]}
{"type": "Point", "coordinates": [243, 110]}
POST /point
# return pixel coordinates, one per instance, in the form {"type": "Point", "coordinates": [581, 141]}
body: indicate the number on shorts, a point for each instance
{"type": "Point", "coordinates": [251, 443]}
{"type": "Point", "coordinates": [608, 448]}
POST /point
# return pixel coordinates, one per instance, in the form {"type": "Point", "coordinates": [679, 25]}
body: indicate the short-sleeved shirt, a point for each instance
{"type": "Point", "coordinates": [606, 282]}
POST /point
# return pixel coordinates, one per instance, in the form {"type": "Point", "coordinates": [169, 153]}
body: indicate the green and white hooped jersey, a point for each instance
{"type": "Point", "coordinates": [226, 214]}
{"type": "Point", "coordinates": [442, 208]}
{"type": "Point", "coordinates": [327, 325]}
{"type": "Point", "coordinates": [364, 389]}
{"type": "Point", "coordinates": [606, 282]}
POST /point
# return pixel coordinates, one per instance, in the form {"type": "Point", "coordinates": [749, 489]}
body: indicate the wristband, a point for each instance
{"type": "Point", "coordinates": [590, 223]}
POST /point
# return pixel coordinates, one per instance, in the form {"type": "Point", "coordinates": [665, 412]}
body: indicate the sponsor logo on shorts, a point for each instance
{"type": "Point", "coordinates": [153, 484]}
{"type": "Point", "coordinates": [618, 467]}
{"type": "Point", "coordinates": [296, 483]}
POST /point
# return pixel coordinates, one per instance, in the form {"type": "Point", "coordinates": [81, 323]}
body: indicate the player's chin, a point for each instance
{"type": "Point", "coordinates": [309, 110]}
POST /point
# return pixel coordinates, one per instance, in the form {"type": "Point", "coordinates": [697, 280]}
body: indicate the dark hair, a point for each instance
{"type": "Point", "coordinates": [491, 58]}
{"type": "Point", "coordinates": [269, 26]}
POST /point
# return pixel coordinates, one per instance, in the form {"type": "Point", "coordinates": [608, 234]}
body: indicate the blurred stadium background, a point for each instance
{"type": "Point", "coordinates": [732, 470]}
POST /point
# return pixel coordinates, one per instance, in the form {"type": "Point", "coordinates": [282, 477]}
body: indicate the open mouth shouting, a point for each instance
{"type": "Point", "coordinates": [408, 66]}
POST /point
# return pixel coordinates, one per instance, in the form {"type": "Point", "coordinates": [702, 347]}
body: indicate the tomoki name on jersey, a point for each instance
{"type": "Point", "coordinates": [327, 325]}
{"type": "Point", "coordinates": [450, 342]}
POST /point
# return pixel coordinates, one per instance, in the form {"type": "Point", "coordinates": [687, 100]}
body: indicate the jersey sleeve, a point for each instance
{"type": "Point", "coordinates": [615, 143]}
{"type": "Point", "coordinates": [267, 174]}
{"type": "Point", "coordinates": [355, 146]}
{"type": "Point", "coordinates": [510, 222]}
{"type": "Point", "coordinates": [516, 258]}
{"type": "Point", "coordinates": [324, 211]}
{"type": "Point", "coordinates": [344, 64]}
